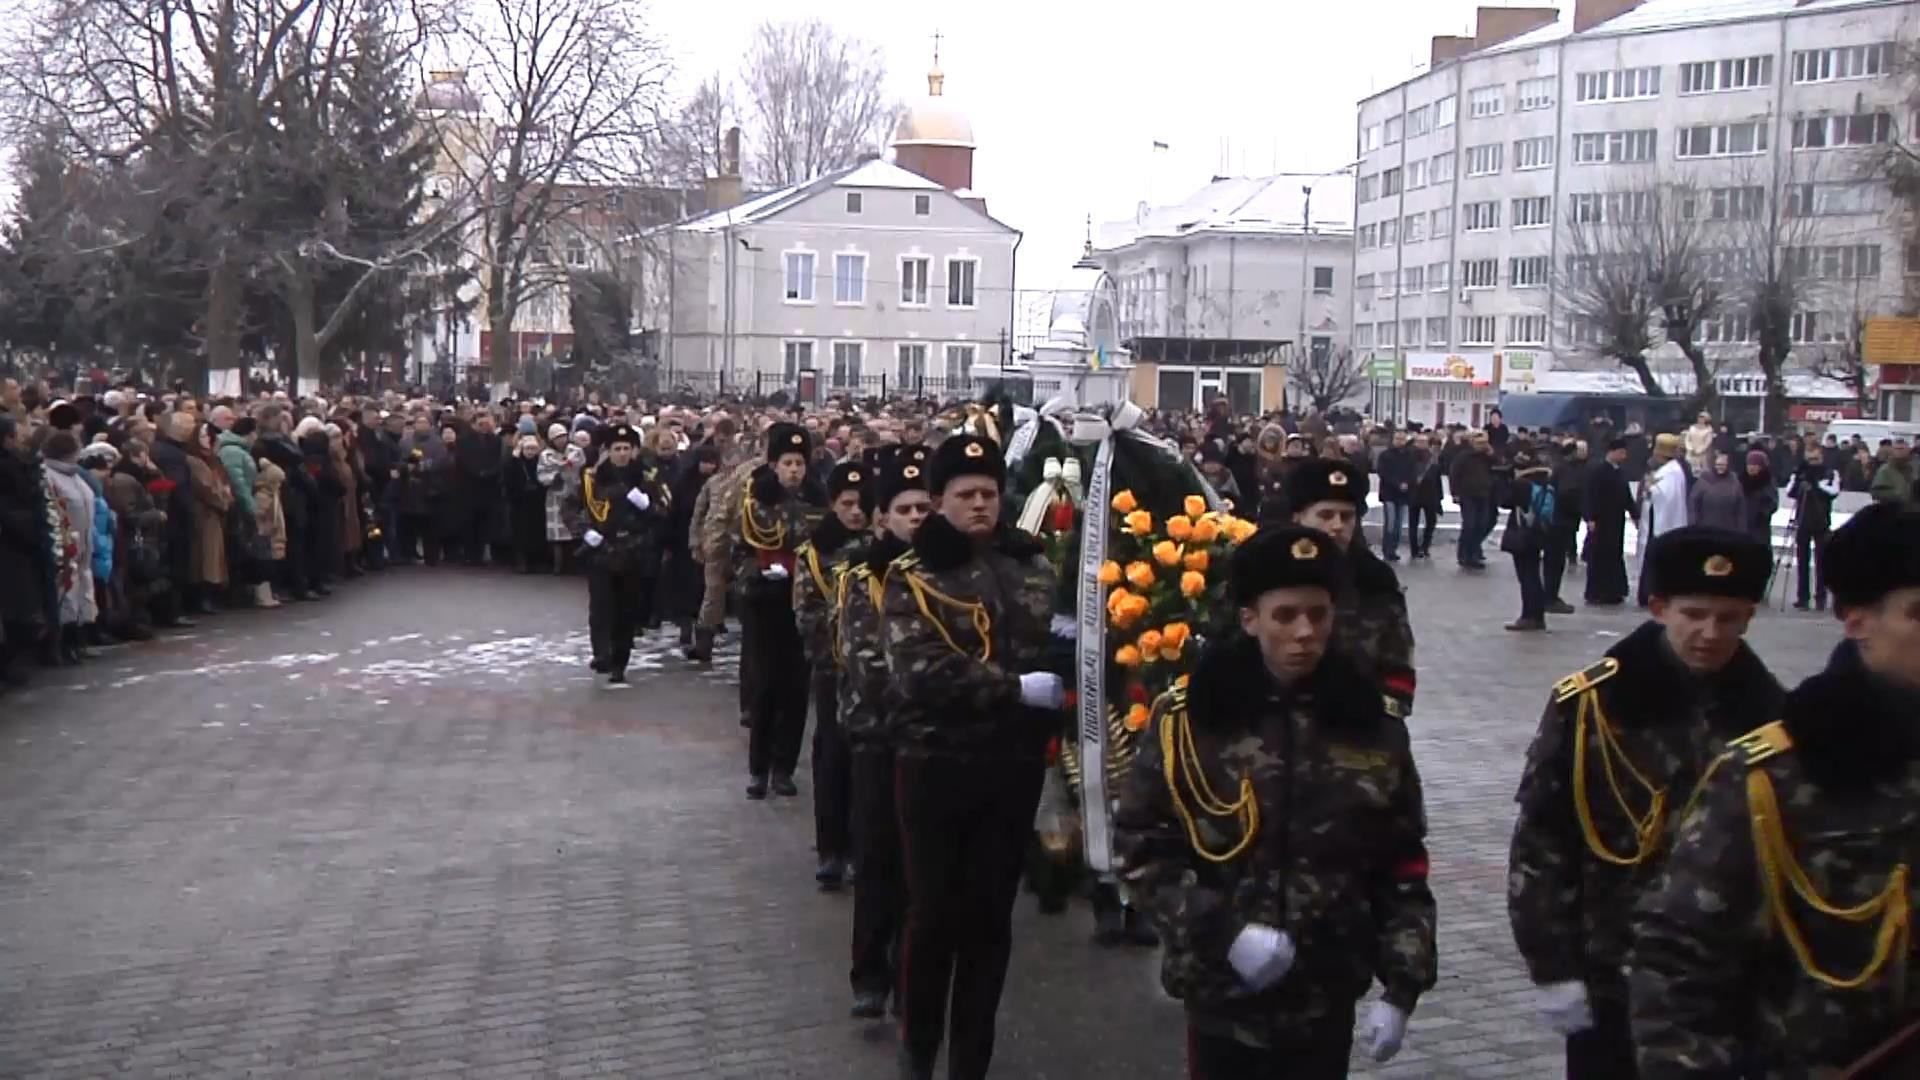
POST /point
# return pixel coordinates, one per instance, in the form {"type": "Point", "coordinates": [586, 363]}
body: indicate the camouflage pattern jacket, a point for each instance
{"type": "Point", "coordinates": [862, 639]}
{"type": "Point", "coordinates": [821, 561]}
{"type": "Point", "coordinates": [1638, 715]}
{"type": "Point", "coordinates": [962, 625]}
{"type": "Point", "coordinates": [1819, 810]}
{"type": "Point", "coordinates": [1332, 850]}
{"type": "Point", "coordinates": [1370, 628]}
{"type": "Point", "coordinates": [768, 527]}
{"type": "Point", "coordinates": [632, 537]}
{"type": "Point", "coordinates": [720, 518]}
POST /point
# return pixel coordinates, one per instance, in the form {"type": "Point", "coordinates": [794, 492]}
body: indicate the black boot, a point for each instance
{"type": "Point", "coordinates": [701, 651]}
{"type": "Point", "coordinates": [70, 650]}
{"type": "Point", "coordinates": [757, 787]}
{"type": "Point", "coordinates": [830, 875]}
{"type": "Point", "coordinates": [1139, 930]}
{"type": "Point", "coordinates": [1109, 918]}
{"type": "Point", "coordinates": [784, 786]}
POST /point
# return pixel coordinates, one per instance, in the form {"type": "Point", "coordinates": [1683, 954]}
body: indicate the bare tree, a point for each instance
{"type": "Point", "coordinates": [1776, 277]}
{"type": "Point", "coordinates": [1899, 163]}
{"type": "Point", "coordinates": [1603, 284]}
{"type": "Point", "coordinates": [1844, 360]}
{"type": "Point", "coordinates": [690, 142]}
{"type": "Point", "coordinates": [817, 101]}
{"type": "Point", "coordinates": [1325, 380]}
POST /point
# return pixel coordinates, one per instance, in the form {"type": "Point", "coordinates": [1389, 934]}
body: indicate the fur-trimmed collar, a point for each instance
{"type": "Point", "coordinates": [882, 551]}
{"type": "Point", "coordinates": [1850, 729]}
{"type": "Point", "coordinates": [830, 535]}
{"type": "Point", "coordinates": [1231, 680]}
{"type": "Point", "coordinates": [942, 547]}
{"type": "Point", "coordinates": [1654, 688]}
{"type": "Point", "coordinates": [766, 490]}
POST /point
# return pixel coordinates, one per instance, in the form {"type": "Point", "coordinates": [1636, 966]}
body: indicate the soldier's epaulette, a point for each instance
{"type": "Point", "coordinates": [1761, 743]}
{"type": "Point", "coordinates": [1393, 706]}
{"type": "Point", "coordinates": [907, 561]}
{"type": "Point", "coordinates": [857, 570]}
{"type": "Point", "coordinates": [1582, 681]}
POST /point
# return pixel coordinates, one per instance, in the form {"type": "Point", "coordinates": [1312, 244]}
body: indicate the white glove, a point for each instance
{"type": "Point", "coordinates": [1386, 1030]}
{"type": "Point", "coordinates": [1261, 955]}
{"type": "Point", "coordinates": [638, 498]}
{"type": "Point", "coordinates": [593, 538]}
{"type": "Point", "coordinates": [776, 572]}
{"type": "Point", "coordinates": [1042, 690]}
{"type": "Point", "coordinates": [1064, 627]}
{"type": "Point", "coordinates": [1563, 1005]}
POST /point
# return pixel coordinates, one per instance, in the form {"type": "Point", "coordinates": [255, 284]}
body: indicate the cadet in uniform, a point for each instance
{"type": "Point", "coordinates": [1372, 630]}
{"type": "Point", "coordinates": [966, 621]}
{"type": "Point", "coordinates": [879, 893]}
{"type": "Point", "coordinates": [822, 559]}
{"type": "Point", "coordinates": [1272, 824]}
{"type": "Point", "coordinates": [1778, 941]}
{"type": "Point", "coordinates": [777, 510]}
{"type": "Point", "coordinates": [1621, 746]}
{"type": "Point", "coordinates": [618, 513]}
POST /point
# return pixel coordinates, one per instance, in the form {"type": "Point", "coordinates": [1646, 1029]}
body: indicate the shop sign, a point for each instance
{"type": "Point", "coordinates": [1474, 369]}
{"type": "Point", "coordinates": [1822, 414]}
{"type": "Point", "coordinates": [1520, 370]}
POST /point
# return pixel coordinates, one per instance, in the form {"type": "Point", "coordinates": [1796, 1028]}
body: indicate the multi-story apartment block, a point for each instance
{"type": "Point", "coordinates": [1472, 173]}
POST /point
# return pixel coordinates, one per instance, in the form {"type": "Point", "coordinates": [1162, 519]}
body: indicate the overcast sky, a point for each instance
{"type": "Point", "coordinates": [1067, 98]}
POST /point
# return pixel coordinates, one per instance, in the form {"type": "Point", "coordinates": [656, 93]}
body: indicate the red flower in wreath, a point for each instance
{"type": "Point", "coordinates": [1062, 516]}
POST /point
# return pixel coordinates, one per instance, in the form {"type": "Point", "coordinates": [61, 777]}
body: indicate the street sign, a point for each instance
{"type": "Point", "coordinates": [1386, 369]}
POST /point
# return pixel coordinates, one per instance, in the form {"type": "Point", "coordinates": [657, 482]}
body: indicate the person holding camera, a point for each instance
{"type": "Point", "coordinates": [1814, 487]}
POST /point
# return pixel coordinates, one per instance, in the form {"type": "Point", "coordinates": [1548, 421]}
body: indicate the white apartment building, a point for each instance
{"type": "Point", "coordinates": [1470, 173]}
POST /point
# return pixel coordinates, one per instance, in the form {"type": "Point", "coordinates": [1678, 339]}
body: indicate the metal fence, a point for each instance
{"type": "Point", "coordinates": [818, 387]}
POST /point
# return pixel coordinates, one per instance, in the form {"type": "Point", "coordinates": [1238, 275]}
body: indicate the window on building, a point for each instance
{"type": "Point", "coordinates": [1835, 262]}
{"type": "Point", "coordinates": [1477, 329]}
{"type": "Point", "coordinates": [1389, 182]}
{"type": "Point", "coordinates": [1390, 233]}
{"type": "Point", "coordinates": [797, 357]}
{"type": "Point", "coordinates": [1479, 216]}
{"type": "Point", "coordinates": [1729, 329]}
{"type": "Point", "coordinates": [1859, 129]}
{"type": "Point", "coordinates": [1323, 280]}
{"type": "Point", "coordinates": [1723, 204]}
{"type": "Point", "coordinates": [1445, 111]}
{"type": "Point", "coordinates": [1442, 223]}
{"type": "Point", "coordinates": [1437, 330]}
{"type": "Point", "coordinates": [1484, 160]}
{"type": "Point", "coordinates": [1412, 279]}
{"type": "Point", "coordinates": [1536, 153]}
{"type": "Point", "coordinates": [800, 277]}
{"type": "Point", "coordinates": [915, 270]}
{"type": "Point", "coordinates": [959, 365]}
{"type": "Point", "coordinates": [849, 279]}
{"type": "Point", "coordinates": [1912, 258]}
{"type": "Point", "coordinates": [1413, 228]}
{"type": "Point", "coordinates": [1363, 336]}
{"type": "Point", "coordinates": [1722, 140]}
{"type": "Point", "coordinates": [1384, 335]}
{"type": "Point", "coordinates": [1390, 130]}
{"type": "Point", "coordinates": [1367, 188]}
{"type": "Point", "coordinates": [576, 251]}
{"type": "Point", "coordinates": [1419, 121]}
{"type": "Point", "coordinates": [1416, 174]}
{"type": "Point", "coordinates": [1480, 273]}
{"type": "Point", "coordinates": [1850, 197]}
{"type": "Point", "coordinates": [1596, 147]}
{"type": "Point", "coordinates": [1624, 84]}
{"type": "Point", "coordinates": [1529, 271]}
{"type": "Point", "coordinates": [1711, 76]}
{"type": "Point", "coordinates": [1533, 212]}
{"type": "Point", "coordinates": [1437, 278]}
{"type": "Point", "coordinates": [911, 366]}
{"type": "Point", "coordinates": [1526, 329]}
{"type": "Point", "coordinates": [1363, 284]}
{"type": "Point", "coordinates": [1410, 333]}
{"type": "Point", "coordinates": [1389, 280]}
{"type": "Point", "coordinates": [1530, 94]}
{"type": "Point", "coordinates": [1847, 62]}
{"type": "Point", "coordinates": [922, 205]}
{"type": "Point", "coordinates": [960, 282]}
{"type": "Point", "coordinates": [1442, 168]}
{"type": "Point", "coordinates": [1366, 237]}
{"type": "Point", "coordinates": [1486, 101]}
{"type": "Point", "coordinates": [1804, 327]}
{"type": "Point", "coordinates": [848, 358]}
{"type": "Point", "coordinates": [1370, 138]}
{"type": "Point", "coordinates": [853, 202]}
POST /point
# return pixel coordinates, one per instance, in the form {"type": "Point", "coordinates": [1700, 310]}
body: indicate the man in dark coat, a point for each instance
{"type": "Point", "coordinates": [1395, 470]}
{"type": "Point", "coordinates": [479, 453]}
{"type": "Point", "coordinates": [169, 455]}
{"type": "Point", "coordinates": [26, 567]}
{"type": "Point", "coordinates": [1609, 503]}
{"type": "Point", "coordinates": [1569, 509]}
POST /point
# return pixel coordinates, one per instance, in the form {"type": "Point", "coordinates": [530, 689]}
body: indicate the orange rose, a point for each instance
{"type": "Point", "coordinates": [1150, 643]}
{"type": "Point", "coordinates": [1140, 574]}
{"type": "Point", "coordinates": [1124, 503]}
{"type": "Point", "coordinates": [1238, 529]}
{"type": "Point", "coordinates": [1110, 573]}
{"type": "Point", "coordinates": [1195, 506]}
{"type": "Point", "coordinates": [1197, 560]}
{"type": "Point", "coordinates": [1137, 717]}
{"type": "Point", "coordinates": [1139, 522]}
{"type": "Point", "coordinates": [1192, 584]}
{"type": "Point", "coordinates": [1173, 635]}
{"type": "Point", "coordinates": [1206, 531]}
{"type": "Point", "coordinates": [1127, 656]}
{"type": "Point", "coordinates": [1166, 553]}
{"type": "Point", "coordinates": [1135, 608]}
{"type": "Point", "coordinates": [1124, 608]}
{"type": "Point", "coordinates": [1179, 526]}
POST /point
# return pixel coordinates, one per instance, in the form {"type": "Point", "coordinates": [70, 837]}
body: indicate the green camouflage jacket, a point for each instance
{"type": "Point", "coordinates": [863, 645]}
{"type": "Point", "coordinates": [1832, 792]}
{"type": "Point", "coordinates": [1569, 905]}
{"type": "Point", "coordinates": [768, 526]}
{"type": "Point", "coordinates": [962, 625]}
{"type": "Point", "coordinates": [1371, 629]}
{"type": "Point", "coordinates": [719, 519]}
{"type": "Point", "coordinates": [820, 561]}
{"type": "Point", "coordinates": [1336, 857]}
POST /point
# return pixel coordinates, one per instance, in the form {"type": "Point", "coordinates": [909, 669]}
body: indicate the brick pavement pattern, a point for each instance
{"type": "Point", "coordinates": [402, 833]}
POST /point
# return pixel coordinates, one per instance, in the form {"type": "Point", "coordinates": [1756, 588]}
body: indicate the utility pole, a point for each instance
{"type": "Point", "coordinates": [1306, 250]}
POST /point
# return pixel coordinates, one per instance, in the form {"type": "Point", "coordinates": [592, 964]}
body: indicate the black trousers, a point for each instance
{"type": "Point", "coordinates": [831, 766]}
{"type": "Point", "coordinates": [616, 602]}
{"type": "Point", "coordinates": [964, 826]}
{"type": "Point", "coordinates": [1533, 593]}
{"type": "Point", "coordinates": [1810, 550]}
{"type": "Point", "coordinates": [1319, 1053]}
{"type": "Point", "coordinates": [1421, 521]}
{"type": "Point", "coordinates": [1607, 570]}
{"type": "Point", "coordinates": [1560, 542]}
{"type": "Point", "coordinates": [879, 893]}
{"type": "Point", "coordinates": [483, 498]}
{"type": "Point", "coordinates": [777, 710]}
{"type": "Point", "coordinates": [1605, 1050]}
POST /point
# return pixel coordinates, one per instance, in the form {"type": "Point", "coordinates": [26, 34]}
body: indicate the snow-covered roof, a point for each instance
{"type": "Point", "coordinates": [877, 173]}
{"type": "Point", "coordinates": [1239, 204]}
{"type": "Point", "coordinates": [880, 173]}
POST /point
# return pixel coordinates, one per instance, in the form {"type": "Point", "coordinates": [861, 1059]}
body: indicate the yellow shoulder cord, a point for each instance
{"type": "Point", "coordinates": [1775, 855]}
{"type": "Point", "coordinates": [1700, 788]}
{"type": "Point", "coordinates": [760, 537]}
{"type": "Point", "coordinates": [596, 508]}
{"type": "Point", "coordinates": [813, 567]}
{"type": "Point", "coordinates": [839, 615]}
{"type": "Point", "coordinates": [1178, 754]}
{"type": "Point", "coordinates": [1646, 827]}
{"type": "Point", "coordinates": [982, 622]}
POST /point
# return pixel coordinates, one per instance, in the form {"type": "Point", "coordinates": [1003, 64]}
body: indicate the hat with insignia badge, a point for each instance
{"type": "Point", "coordinates": [784, 438]}
{"type": "Point", "coordinates": [851, 476]}
{"type": "Point", "coordinates": [905, 470]}
{"type": "Point", "coordinates": [622, 433]}
{"type": "Point", "coordinates": [1699, 560]}
{"type": "Point", "coordinates": [1874, 553]}
{"type": "Point", "coordinates": [1325, 480]}
{"type": "Point", "coordinates": [1287, 557]}
{"type": "Point", "coordinates": [965, 455]}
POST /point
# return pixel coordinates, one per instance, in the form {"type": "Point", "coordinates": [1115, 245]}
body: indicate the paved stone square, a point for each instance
{"type": "Point", "coordinates": [403, 833]}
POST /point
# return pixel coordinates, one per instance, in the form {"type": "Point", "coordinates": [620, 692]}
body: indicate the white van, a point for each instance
{"type": "Point", "coordinates": [1872, 431]}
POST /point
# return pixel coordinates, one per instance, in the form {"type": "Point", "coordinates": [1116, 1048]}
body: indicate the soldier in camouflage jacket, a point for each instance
{"type": "Point", "coordinates": [1778, 941]}
{"type": "Point", "coordinates": [1372, 630]}
{"type": "Point", "coordinates": [966, 621]}
{"type": "Point", "coordinates": [715, 511]}
{"type": "Point", "coordinates": [1272, 824]}
{"type": "Point", "coordinates": [821, 563]}
{"type": "Point", "coordinates": [1620, 747]}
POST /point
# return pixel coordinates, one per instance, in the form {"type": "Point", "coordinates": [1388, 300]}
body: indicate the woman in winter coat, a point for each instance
{"type": "Point", "coordinates": [212, 498]}
{"type": "Point", "coordinates": [270, 521]}
{"type": "Point", "coordinates": [323, 529]}
{"type": "Point", "coordinates": [96, 464]}
{"type": "Point", "coordinates": [70, 503]}
{"type": "Point", "coordinates": [1716, 498]}
{"type": "Point", "coordinates": [142, 523]}
{"type": "Point", "coordinates": [1763, 496]}
{"type": "Point", "coordinates": [526, 503]}
{"type": "Point", "coordinates": [346, 472]}
{"type": "Point", "coordinates": [558, 473]}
